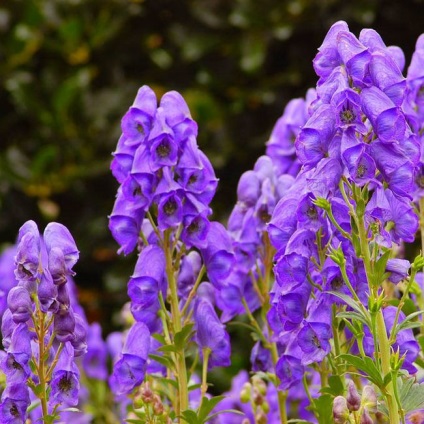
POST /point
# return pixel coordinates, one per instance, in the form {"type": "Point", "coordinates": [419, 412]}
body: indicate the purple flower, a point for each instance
{"type": "Point", "coordinates": [218, 255]}
{"type": "Point", "coordinates": [137, 122]}
{"type": "Point", "coordinates": [14, 403]}
{"type": "Point", "coordinates": [129, 370]}
{"type": "Point", "coordinates": [398, 269]}
{"type": "Point", "coordinates": [65, 379]}
{"type": "Point", "coordinates": [289, 370]}
{"type": "Point", "coordinates": [210, 333]}
{"type": "Point", "coordinates": [147, 280]}
{"type": "Point", "coordinates": [20, 304]}
{"type": "Point", "coordinates": [314, 339]}
{"type": "Point", "coordinates": [94, 362]}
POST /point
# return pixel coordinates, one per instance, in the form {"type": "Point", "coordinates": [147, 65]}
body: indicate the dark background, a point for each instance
{"type": "Point", "coordinates": [69, 70]}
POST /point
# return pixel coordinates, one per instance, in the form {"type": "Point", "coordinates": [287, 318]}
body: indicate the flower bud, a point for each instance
{"type": "Point", "coordinates": [146, 394]}
{"type": "Point", "coordinates": [369, 398]}
{"type": "Point", "coordinates": [365, 418]}
{"type": "Point", "coordinates": [265, 407]}
{"type": "Point", "coordinates": [258, 399]}
{"type": "Point", "coordinates": [340, 410]}
{"type": "Point", "coordinates": [353, 398]}
{"type": "Point", "coordinates": [261, 418]}
{"type": "Point", "coordinates": [245, 393]}
{"type": "Point", "coordinates": [158, 407]}
{"type": "Point", "coordinates": [259, 384]}
{"type": "Point", "coordinates": [19, 303]}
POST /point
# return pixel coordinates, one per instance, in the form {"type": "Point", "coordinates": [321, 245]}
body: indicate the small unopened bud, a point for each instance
{"type": "Point", "coordinates": [353, 399]}
{"type": "Point", "coordinates": [365, 418]}
{"type": "Point", "coordinates": [258, 399]}
{"type": "Point", "coordinates": [245, 393]}
{"type": "Point", "coordinates": [265, 407]}
{"type": "Point", "coordinates": [369, 398]}
{"type": "Point", "coordinates": [261, 417]}
{"type": "Point", "coordinates": [259, 384]}
{"type": "Point", "coordinates": [146, 394]}
{"type": "Point", "coordinates": [245, 421]}
{"type": "Point", "coordinates": [340, 410]}
{"type": "Point", "coordinates": [158, 408]}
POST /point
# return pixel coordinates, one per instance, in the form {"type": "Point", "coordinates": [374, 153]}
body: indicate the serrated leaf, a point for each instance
{"type": "Point", "coordinates": [366, 365]}
{"type": "Point", "coordinates": [207, 405]}
{"type": "Point", "coordinates": [182, 336]}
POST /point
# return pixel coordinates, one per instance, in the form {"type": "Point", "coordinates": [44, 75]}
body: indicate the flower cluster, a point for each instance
{"type": "Point", "coordinates": [42, 335]}
{"type": "Point", "coordinates": [158, 163]}
{"type": "Point", "coordinates": [358, 151]}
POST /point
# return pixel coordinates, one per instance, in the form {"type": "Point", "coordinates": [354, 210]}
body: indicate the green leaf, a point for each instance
{"type": "Point", "coordinates": [207, 405]}
{"type": "Point", "coordinates": [182, 336]}
{"type": "Point", "coordinates": [159, 337]}
{"type": "Point", "coordinates": [194, 387]}
{"type": "Point", "coordinates": [297, 421]}
{"type": "Point", "coordinates": [354, 316]}
{"type": "Point", "coordinates": [164, 360]}
{"type": "Point", "coordinates": [380, 268]}
{"type": "Point", "coordinates": [411, 394]}
{"type": "Point", "coordinates": [354, 305]}
{"type": "Point", "coordinates": [335, 386]}
{"type": "Point", "coordinates": [190, 417]}
{"type": "Point", "coordinates": [323, 407]}
{"type": "Point", "coordinates": [167, 348]}
{"type": "Point", "coordinates": [366, 365]}
{"type": "Point", "coordinates": [226, 411]}
{"type": "Point", "coordinates": [407, 323]}
{"type": "Point", "coordinates": [164, 380]}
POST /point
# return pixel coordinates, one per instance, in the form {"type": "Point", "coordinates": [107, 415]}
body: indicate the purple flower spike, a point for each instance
{"type": "Point", "coordinates": [57, 266]}
{"type": "Point", "coordinates": [195, 231]}
{"type": "Point", "coordinates": [20, 304]}
{"type": "Point", "coordinates": [128, 372]}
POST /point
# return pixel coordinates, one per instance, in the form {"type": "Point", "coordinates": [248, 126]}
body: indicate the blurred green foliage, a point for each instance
{"type": "Point", "coordinates": [69, 69]}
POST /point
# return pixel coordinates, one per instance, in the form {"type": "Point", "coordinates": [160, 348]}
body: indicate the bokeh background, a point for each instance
{"type": "Point", "coordinates": [69, 70]}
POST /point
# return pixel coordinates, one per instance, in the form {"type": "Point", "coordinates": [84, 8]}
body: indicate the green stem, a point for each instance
{"type": "Point", "coordinates": [182, 403]}
{"type": "Point", "coordinates": [382, 339]}
{"type": "Point", "coordinates": [204, 388]}
{"type": "Point", "coordinates": [421, 297]}
{"type": "Point", "coordinates": [41, 364]}
{"type": "Point", "coordinates": [193, 290]}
